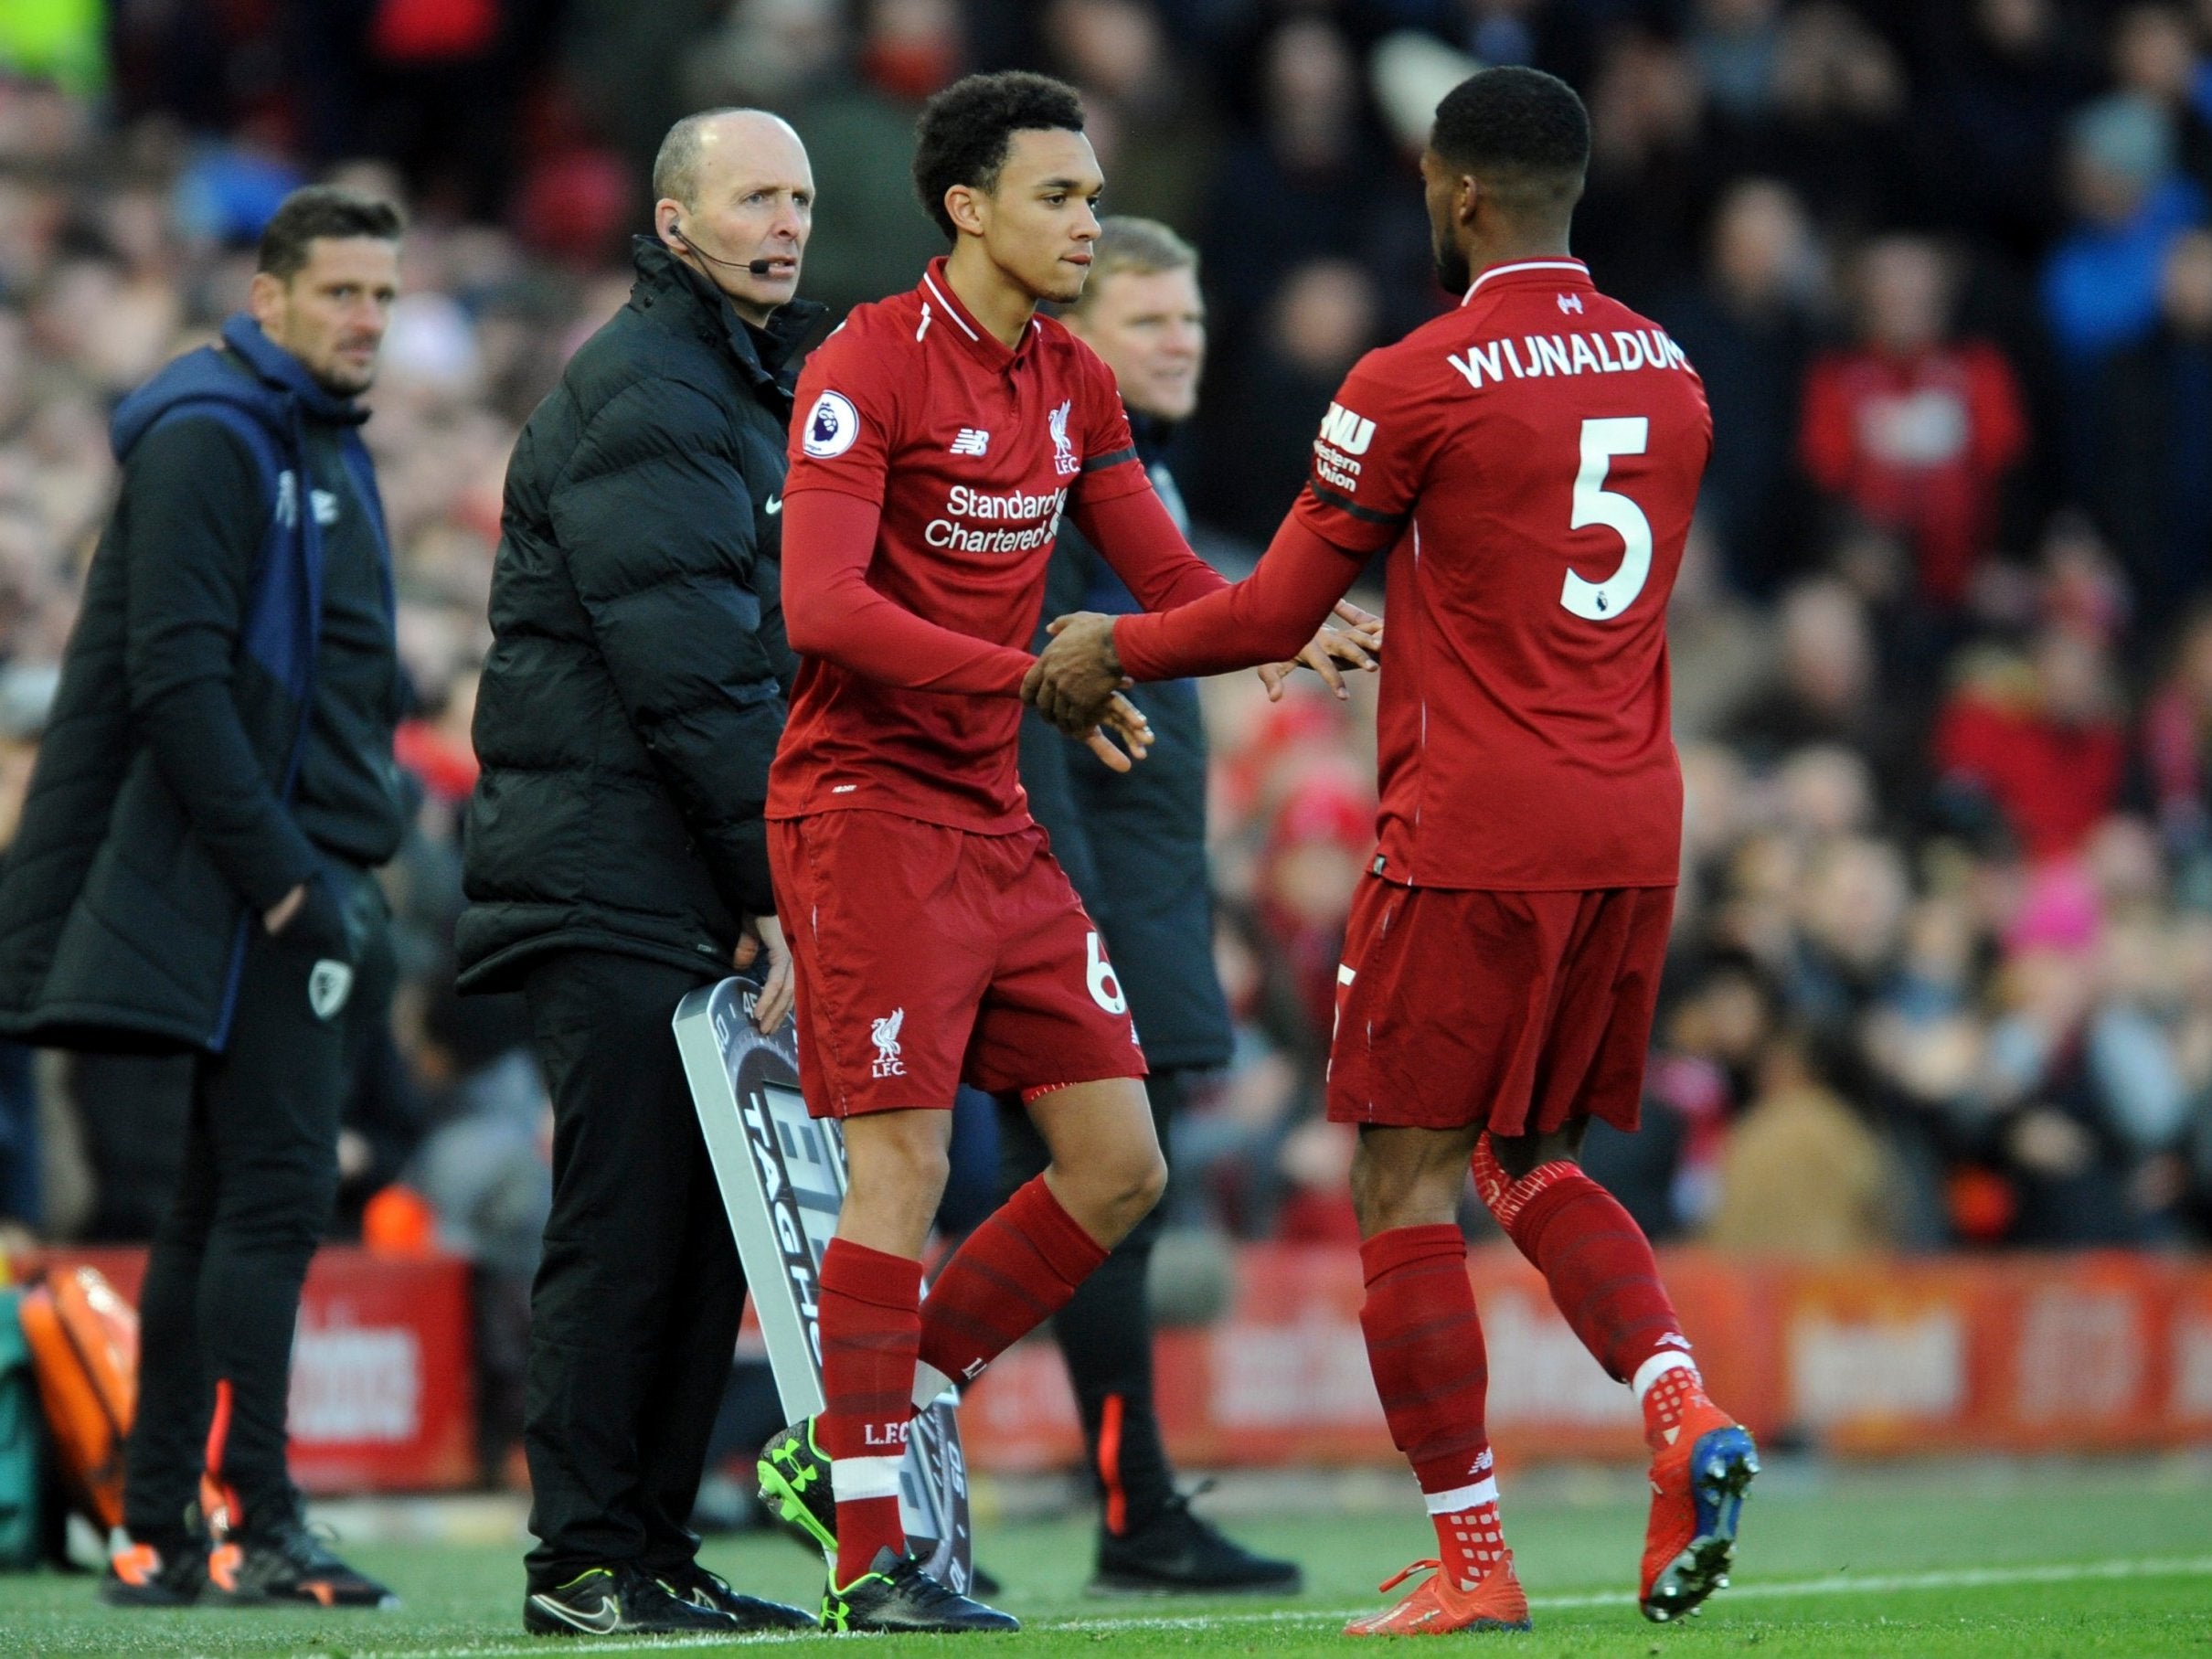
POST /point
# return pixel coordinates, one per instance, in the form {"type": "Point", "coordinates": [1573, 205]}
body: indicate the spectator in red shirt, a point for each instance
{"type": "Point", "coordinates": [1912, 428]}
{"type": "Point", "coordinates": [2040, 744]}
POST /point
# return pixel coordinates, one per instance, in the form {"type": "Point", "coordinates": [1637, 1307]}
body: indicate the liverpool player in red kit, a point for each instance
{"type": "Point", "coordinates": [1531, 459]}
{"type": "Point", "coordinates": [939, 436]}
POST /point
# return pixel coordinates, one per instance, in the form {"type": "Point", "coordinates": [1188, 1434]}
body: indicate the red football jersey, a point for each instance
{"type": "Point", "coordinates": [975, 452]}
{"type": "Point", "coordinates": [1532, 459]}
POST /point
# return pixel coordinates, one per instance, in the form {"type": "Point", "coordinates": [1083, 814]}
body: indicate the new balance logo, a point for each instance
{"type": "Point", "coordinates": [1571, 301]}
{"type": "Point", "coordinates": [973, 440]}
{"type": "Point", "coordinates": [884, 1034]}
{"type": "Point", "coordinates": [1343, 429]}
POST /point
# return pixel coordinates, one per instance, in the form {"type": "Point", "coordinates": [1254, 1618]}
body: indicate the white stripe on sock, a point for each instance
{"type": "Point", "coordinates": [865, 1477]}
{"type": "Point", "coordinates": [1658, 1366]}
{"type": "Point", "coordinates": [929, 1383]}
{"type": "Point", "coordinates": [1460, 1498]}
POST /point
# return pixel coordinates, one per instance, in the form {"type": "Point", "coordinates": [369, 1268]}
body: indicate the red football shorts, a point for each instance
{"type": "Point", "coordinates": [927, 957]}
{"type": "Point", "coordinates": [1515, 1011]}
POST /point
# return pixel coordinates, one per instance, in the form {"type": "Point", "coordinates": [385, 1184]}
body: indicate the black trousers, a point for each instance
{"type": "Point", "coordinates": [260, 1176]}
{"type": "Point", "coordinates": [1105, 1332]}
{"type": "Point", "coordinates": [634, 1317]}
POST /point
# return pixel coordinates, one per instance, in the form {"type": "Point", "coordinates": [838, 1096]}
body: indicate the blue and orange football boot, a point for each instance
{"type": "Point", "coordinates": [1700, 1472]}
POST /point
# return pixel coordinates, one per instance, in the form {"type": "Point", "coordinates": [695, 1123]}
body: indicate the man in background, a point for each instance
{"type": "Point", "coordinates": [1134, 847]}
{"type": "Point", "coordinates": [616, 858]}
{"type": "Point", "coordinates": [194, 871]}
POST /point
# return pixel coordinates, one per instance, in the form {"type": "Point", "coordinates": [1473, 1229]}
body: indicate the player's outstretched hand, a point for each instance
{"type": "Point", "coordinates": [1126, 720]}
{"type": "Point", "coordinates": [1362, 625]}
{"type": "Point", "coordinates": [765, 934]}
{"type": "Point", "coordinates": [1078, 672]}
{"type": "Point", "coordinates": [1354, 646]}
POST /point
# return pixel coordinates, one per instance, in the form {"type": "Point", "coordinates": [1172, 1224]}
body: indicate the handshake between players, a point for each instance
{"type": "Point", "coordinates": [1077, 683]}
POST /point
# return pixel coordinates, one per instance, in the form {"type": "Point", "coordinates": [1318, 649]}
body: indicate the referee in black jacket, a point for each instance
{"type": "Point", "coordinates": [1134, 847]}
{"type": "Point", "coordinates": [615, 855]}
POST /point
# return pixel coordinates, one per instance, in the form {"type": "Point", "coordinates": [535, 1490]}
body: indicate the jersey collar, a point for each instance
{"type": "Point", "coordinates": [943, 304]}
{"type": "Point", "coordinates": [1559, 273]}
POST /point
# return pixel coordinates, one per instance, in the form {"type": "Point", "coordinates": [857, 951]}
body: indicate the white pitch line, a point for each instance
{"type": "Point", "coordinates": [1840, 1584]}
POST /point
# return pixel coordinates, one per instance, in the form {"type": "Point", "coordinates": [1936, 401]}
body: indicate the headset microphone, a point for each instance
{"type": "Point", "coordinates": [757, 267]}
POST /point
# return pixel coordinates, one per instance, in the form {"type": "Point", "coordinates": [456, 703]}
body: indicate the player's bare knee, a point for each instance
{"type": "Point", "coordinates": [1149, 1181]}
{"type": "Point", "coordinates": [898, 1166]}
{"type": "Point", "coordinates": [1399, 1180]}
{"type": "Point", "coordinates": [1110, 1197]}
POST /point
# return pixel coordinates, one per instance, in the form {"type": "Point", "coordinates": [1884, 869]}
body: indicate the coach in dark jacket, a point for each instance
{"type": "Point", "coordinates": [1134, 847]}
{"type": "Point", "coordinates": [616, 856]}
{"type": "Point", "coordinates": [193, 867]}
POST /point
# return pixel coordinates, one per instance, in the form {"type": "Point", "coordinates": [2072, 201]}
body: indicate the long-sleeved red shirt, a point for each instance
{"type": "Point", "coordinates": [930, 468]}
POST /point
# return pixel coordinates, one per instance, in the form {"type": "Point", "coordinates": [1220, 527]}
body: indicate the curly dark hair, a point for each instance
{"type": "Point", "coordinates": [1523, 131]}
{"type": "Point", "coordinates": [966, 129]}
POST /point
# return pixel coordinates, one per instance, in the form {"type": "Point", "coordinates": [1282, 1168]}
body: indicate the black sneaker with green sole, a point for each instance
{"type": "Point", "coordinates": [620, 1600]}
{"type": "Point", "coordinates": [796, 1487]}
{"type": "Point", "coordinates": [896, 1595]}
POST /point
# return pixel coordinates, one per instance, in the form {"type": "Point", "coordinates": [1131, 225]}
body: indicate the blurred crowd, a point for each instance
{"type": "Point", "coordinates": [1942, 651]}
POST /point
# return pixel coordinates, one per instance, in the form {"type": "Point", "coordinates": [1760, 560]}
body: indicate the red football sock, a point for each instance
{"type": "Point", "coordinates": [871, 1323]}
{"type": "Point", "coordinates": [1593, 1256]}
{"type": "Point", "coordinates": [1425, 1347]}
{"type": "Point", "coordinates": [1014, 1272]}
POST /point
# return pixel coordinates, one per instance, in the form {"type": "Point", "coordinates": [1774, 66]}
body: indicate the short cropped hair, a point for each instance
{"type": "Point", "coordinates": [1128, 246]}
{"type": "Point", "coordinates": [321, 210]}
{"type": "Point", "coordinates": [676, 166]}
{"type": "Point", "coordinates": [1523, 132]}
{"type": "Point", "coordinates": [966, 130]}
{"type": "Point", "coordinates": [1142, 246]}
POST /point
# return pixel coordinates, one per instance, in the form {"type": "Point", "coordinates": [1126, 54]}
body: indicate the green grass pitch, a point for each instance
{"type": "Point", "coordinates": [2026, 1562]}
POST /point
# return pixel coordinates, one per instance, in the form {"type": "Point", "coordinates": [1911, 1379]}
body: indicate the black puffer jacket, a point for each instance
{"type": "Point", "coordinates": [635, 690]}
{"type": "Point", "coordinates": [1134, 843]}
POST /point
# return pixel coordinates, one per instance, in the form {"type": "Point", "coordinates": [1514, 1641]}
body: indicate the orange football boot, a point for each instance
{"type": "Point", "coordinates": [1440, 1607]}
{"type": "Point", "coordinates": [1698, 1481]}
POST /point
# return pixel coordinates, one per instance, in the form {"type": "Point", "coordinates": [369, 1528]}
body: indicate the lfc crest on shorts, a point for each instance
{"type": "Point", "coordinates": [884, 1032]}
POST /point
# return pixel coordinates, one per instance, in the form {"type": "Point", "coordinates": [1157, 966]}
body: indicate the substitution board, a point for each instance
{"type": "Point", "coordinates": [782, 1173]}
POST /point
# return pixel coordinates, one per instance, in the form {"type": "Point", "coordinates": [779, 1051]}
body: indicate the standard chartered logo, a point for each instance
{"type": "Point", "coordinates": [1025, 522]}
